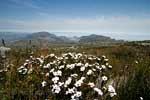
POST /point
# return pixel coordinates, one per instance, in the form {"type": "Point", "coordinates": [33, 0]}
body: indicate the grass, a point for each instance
{"type": "Point", "coordinates": [131, 70]}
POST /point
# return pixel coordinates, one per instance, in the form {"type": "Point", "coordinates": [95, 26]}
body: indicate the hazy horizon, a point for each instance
{"type": "Point", "coordinates": [131, 37]}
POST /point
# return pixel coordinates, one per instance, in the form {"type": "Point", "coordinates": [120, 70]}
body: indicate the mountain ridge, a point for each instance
{"type": "Point", "coordinates": [46, 37]}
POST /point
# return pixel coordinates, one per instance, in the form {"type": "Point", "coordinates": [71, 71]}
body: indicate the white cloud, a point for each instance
{"type": "Point", "coordinates": [122, 25]}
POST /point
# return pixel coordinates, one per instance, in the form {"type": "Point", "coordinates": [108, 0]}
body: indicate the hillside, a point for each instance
{"type": "Point", "coordinates": [12, 36]}
{"type": "Point", "coordinates": [98, 39]}
{"type": "Point", "coordinates": [45, 36]}
{"type": "Point", "coordinates": [40, 38]}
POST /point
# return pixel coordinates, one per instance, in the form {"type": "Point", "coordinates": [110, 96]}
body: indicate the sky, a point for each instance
{"type": "Point", "coordinates": [122, 19]}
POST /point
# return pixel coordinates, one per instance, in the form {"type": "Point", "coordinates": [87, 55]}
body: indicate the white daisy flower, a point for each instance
{"type": "Point", "coordinates": [91, 84]}
{"type": "Point", "coordinates": [98, 91]}
{"type": "Point", "coordinates": [43, 83]}
{"type": "Point", "coordinates": [104, 78]}
{"type": "Point", "coordinates": [68, 81]}
{"type": "Point", "coordinates": [56, 89]}
{"type": "Point", "coordinates": [82, 69]}
{"type": "Point", "coordinates": [89, 72]}
{"type": "Point", "coordinates": [79, 64]}
{"type": "Point", "coordinates": [103, 66]}
{"type": "Point", "coordinates": [55, 79]}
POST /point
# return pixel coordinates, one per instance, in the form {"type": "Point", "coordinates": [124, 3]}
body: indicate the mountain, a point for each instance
{"type": "Point", "coordinates": [75, 38]}
{"type": "Point", "coordinates": [43, 36]}
{"type": "Point", "coordinates": [65, 39]}
{"type": "Point", "coordinates": [93, 38]}
{"type": "Point", "coordinates": [49, 37]}
{"type": "Point", "coordinates": [46, 38]}
{"type": "Point", "coordinates": [12, 36]}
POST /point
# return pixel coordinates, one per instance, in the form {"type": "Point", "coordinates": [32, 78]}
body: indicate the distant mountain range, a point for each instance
{"type": "Point", "coordinates": [12, 36]}
{"type": "Point", "coordinates": [93, 38]}
{"type": "Point", "coordinates": [46, 37]}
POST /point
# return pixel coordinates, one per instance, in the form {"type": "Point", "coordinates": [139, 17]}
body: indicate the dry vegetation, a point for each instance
{"type": "Point", "coordinates": [129, 74]}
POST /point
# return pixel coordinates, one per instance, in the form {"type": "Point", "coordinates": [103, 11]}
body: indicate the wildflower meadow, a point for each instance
{"type": "Point", "coordinates": [74, 74]}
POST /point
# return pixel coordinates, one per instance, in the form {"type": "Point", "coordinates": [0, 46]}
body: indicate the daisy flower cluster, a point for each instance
{"type": "Point", "coordinates": [71, 75]}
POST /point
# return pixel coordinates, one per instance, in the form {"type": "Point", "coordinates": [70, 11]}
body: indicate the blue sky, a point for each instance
{"type": "Point", "coordinates": [116, 18]}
